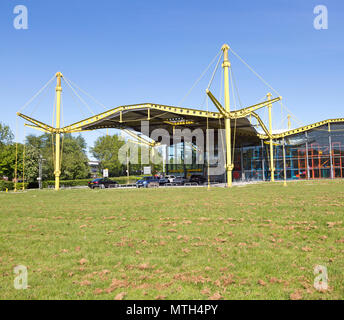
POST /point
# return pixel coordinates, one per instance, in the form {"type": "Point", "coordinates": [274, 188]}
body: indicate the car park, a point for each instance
{"type": "Point", "coordinates": [102, 183]}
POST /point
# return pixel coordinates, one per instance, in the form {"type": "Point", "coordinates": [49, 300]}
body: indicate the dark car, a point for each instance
{"type": "Point", "coordinates": [196, 178]}
{"type": "Point", "coordinates": [147, 182]}
{"type": "Point", "coordinates": [179, 181]}
{"type": "Point", "coordinates": [102, 183]}
{"type": "Point", "coordinates": [163, 181]}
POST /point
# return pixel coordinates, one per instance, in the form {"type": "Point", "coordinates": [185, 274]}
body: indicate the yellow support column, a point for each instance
{"type": "Point", "coordinates": [23, 186]}
{"type": "Point", "coordinates": [57, 135]}
{"type": "Point", "coordinates": [225, 65]}
{"type": "Point", "coordinates": [289, 122]}
{"type": "Point", "coordinates": [272, 168]}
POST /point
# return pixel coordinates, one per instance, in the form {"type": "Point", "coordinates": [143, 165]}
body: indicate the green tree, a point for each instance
{"type": "Point", "coordinates": [106, 150]}
{"type": "Point", "coordinates": [7, 160]}
{"type": "Point", "coordinates": [31, 163]}
{"type": "Point", "coordinates": [7, 152]}
{"type": "Point", "coordinates": [44, 145]}
{"type": "Point", "coordinates": [6, 135]}
{"type": "Point", "coordinates": [74, 162]}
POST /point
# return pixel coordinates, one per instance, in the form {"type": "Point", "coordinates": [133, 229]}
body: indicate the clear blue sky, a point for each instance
{"type": "Point", "coordinates": [127, 52]}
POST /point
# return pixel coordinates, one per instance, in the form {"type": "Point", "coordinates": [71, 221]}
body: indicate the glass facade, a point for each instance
{"type": "Point", "coordinates": [315, 154]}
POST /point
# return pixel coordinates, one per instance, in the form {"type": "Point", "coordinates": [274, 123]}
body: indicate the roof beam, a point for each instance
{"type": "Point", "coordinates": [302, 129]}
{"type": "Point", "coordinates": [246, 111]}
{"type": "Point", "coordinates": [179, 123]}
{"type": "Point", "coordinates": [164, 108]}
{"type": "Point", "coordinates": [37, 123]}
{"type": "Point", "coordinates": [36, 127]}
{"type": "Point", "coordinates": [139, 138]}
{"type": "Point", "coordinates": [217, 104]}
{"type": "Point", "coordinates": [242, 112]}
{"type": "Point", "coordinates": [262, 125]}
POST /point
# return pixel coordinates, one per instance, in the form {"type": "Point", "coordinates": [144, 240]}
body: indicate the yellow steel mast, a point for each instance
{"type": "Point", "coordinates": [289, 122]}
{"type": "Point", "coordinates": [57, 135]}
{"type": "Point", "coordinates": [272, 168]}
{"type": "Point", "coordinates": [226, 65]}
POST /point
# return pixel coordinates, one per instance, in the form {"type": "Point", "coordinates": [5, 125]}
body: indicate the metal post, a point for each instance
{"type": "Point", "coordinates": [127, 168]}
{"type": "Point", "coordinates": [263, 162]}
{"type": "Point", "coordinates": [289, 122]}
{"type": "Point", "coordinates": [57, 135]}
{"type": "Point", "coordinates": [330, 143]}
{"type": "Point", "coordinates": [284, 165]}
{"type": "Point", "coordinates": [307, 167]}
{"type": "Point", "coordinates": [272, 169]}
{"type": "Point", "coordinates": [182, 154]}
{"type": "Point", "coordinates": [242, 163]}
{"type": "Point", "coordinates": [40, 160]}
{"type": "Point", "coordinates": [163, 158]}
{"type": "Point", "coordinates": [167, 150]}
{"type": "Point", "coordinates": [226, 65]}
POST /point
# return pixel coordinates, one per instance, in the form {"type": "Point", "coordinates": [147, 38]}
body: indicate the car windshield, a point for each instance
{"type": "Point", "coordinates": [96, 180]}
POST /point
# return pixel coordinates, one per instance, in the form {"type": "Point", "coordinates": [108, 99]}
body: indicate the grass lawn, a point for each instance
{"type": "Point", "coordinates": [253, 242]}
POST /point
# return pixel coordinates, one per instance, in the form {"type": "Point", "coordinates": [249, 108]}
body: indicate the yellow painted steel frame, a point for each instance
{"type": "Point", "coordinates": [261, 123]}
{"type": "Point", "coordinates": [57, 135]}
{"type": "Point", "coordinates": [301, 129]}
{"type": "Point", "coordinates": [242, 112]}
{"type": "Point", "coordinates": [140, 139]}
{"type": "Point", "coordinates": [225, 65]}
{"type": "Point", "coordinates": [149, 145]}
{"type": "Point", "coordinates": [217, 104]}
{"type": "Point", "coordinates": [38, 124]}
{"type": "Point", "coordinates": [36, 127]}
{"type": "Point", "coordinates": [46, 128]}
{"type": "Point", "coordinates": [272, 167]}
{"type": "Point", "coordinates": [248, 111]}
{"type": "Point", "coordinates": [228, 115]}
{"type": "Point", "coordinates": [179, 123]}
{"type": "Point", "coordinates": [224, 113]}
{"type": "Point", "coordinates": [177, 110]}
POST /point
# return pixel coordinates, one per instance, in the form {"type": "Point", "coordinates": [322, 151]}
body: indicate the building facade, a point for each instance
{"type": "Point", "coordinates": [311, 153]}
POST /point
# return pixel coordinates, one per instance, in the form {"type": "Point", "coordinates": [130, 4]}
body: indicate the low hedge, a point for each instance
{"type": "Point", "coordinates": [65, 183]}
{"type": "Point", "coordinates": [9, 185]}
{"type": "Point", "coordinates": [84, 182]}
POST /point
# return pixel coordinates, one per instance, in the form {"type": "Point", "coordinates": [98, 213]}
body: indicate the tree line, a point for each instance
{"type": "Point", "coordinates": [74, 164]}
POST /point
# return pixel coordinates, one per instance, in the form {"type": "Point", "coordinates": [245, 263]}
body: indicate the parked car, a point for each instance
{"type": "Point", "coordinates": [102, 183]}
{"type": "Point", "coordinates": [147, 182]}
{"type": "Point", "coordinates": [196, 178]}
{"type": "Point", "coordinates": [179, 181]}
{"type": "Point", "coordinates": [163, 181]}
{"type": "Point", "coordinates": [170, 178]}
